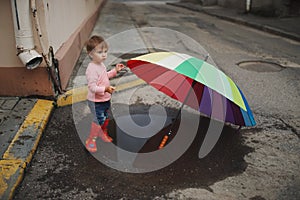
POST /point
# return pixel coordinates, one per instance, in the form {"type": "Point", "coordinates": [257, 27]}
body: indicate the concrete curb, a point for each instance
{"type": "Point", "coordinates": [72, 96]}
{"type": "Point", "coordinates": [79, 94]}
{"type": "Point", "coordinates": [23, 147]}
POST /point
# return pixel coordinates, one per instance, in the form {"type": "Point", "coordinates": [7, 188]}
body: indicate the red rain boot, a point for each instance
{"type": "Point", "coordinates": [90, 143]}
{"type": "Point", "coordinates": [103, 133]}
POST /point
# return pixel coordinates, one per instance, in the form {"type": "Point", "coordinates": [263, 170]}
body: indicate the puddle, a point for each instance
{"type": "Point", "coordinates": [260, 66]}
{"type": "Point", "coordinates": [135, 139]}
{"type": "Point", "coordinates": [131, 132]}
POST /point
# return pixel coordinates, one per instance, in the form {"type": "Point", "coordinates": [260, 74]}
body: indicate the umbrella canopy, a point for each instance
{"type": "Point", "coordinates": [213, 93]}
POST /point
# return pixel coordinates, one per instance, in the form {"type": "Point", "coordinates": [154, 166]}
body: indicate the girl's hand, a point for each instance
{"type": "Point", "coordinates": [110, 89]}
{"type": "Point", "coordinates": [119, 67]}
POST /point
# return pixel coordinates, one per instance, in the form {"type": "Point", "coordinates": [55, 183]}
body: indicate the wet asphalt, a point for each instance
{"type": "Point", "coordinates": [62, 168]}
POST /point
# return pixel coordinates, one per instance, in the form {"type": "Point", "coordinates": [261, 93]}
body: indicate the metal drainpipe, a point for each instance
{"type": "Point", "coordinates": [24, 34]}
{"type": "Point", "coordinates": [38, 29]}
{"type": "Point", "coordinates": [51, 61]}
{"type": "Point", "coordinates": [248, 5]}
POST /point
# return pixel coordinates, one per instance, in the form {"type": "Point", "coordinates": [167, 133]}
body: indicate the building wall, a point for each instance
{"type": "Point", "coordinates": [267, 8]}
{"type": "Point", "coordinates": [236, 4]}
{"type": "Point", "coordinates": [65, 25]}
{"type": "Point", "coordinates": [66, 14]}
{"type": "Point", "coordinates": [271, 8]}
{"type": "Point", "coordinates": [8, 56]}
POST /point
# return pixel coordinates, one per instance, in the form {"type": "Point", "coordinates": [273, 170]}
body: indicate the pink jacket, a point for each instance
{"type": "Point", "coordinates": [97, 79]}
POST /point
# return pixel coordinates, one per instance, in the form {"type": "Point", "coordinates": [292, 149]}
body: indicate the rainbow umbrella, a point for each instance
{"type": "Point", "coordinates": [195, 83]}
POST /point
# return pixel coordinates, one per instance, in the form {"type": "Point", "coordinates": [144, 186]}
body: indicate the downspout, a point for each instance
{"type": "Point", "coordinates": [248, 6]}
{"type": "Point", "coordinates": [24, 34]}
{"type": "Point", "coordinates": [38, 29]}
{"type": "Point", "coordinates": [48, 55]}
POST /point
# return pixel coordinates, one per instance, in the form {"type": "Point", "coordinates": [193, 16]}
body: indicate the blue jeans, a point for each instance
{"type": "Point", "coordinates": [99, 111]}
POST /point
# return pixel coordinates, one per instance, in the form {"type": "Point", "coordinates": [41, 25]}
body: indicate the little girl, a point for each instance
{"type": "Point", "coordinates": [99, 90]}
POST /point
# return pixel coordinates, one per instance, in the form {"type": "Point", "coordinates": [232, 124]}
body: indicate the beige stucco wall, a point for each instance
{"type": "Point", "coordinates": [58, 19]}
{"type": "Point", "coordinates": [65, 25]}
{"type": "Point", "coordinates": [8, 56]}
{"type": "Point", "coordinates": [63, 17]}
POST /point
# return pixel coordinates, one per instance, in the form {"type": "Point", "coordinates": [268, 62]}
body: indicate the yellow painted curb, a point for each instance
{"type": "Point", "coordinates": [79, 94]}
{"type": "Point", "coordinates": [128, 85]}
{"type": "Point", "coordinates": [11, 175]}
{"type": "Point", "coordinates": [72, 96]}
{"type": "Point", "coordinates": [17, 155]}
{"type": "Point", "coordinates": [32, 127]}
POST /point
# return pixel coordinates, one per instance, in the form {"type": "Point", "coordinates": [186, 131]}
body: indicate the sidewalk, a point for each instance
{"type": "Point", "coordinates": [22, 120]}
{"type": "Point", "coordinates": [285, 27]}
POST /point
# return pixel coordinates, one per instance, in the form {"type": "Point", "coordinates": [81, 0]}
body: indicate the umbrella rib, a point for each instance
{"type": "Point", "coordinates": [150, 70]}
{"type": "Point", "coordinates": [179, 84]}
{"type": "Point", "coordinates": [235, 114]}
{"type": "Point", "coordinates": [169, 79]}
{"type": "Point", "coordinates": [200, 97]}
{"type": "Point", "coordinates": [231, 105]}
{"type": "Point", "coordinates": [154, 69]}
{"type": "Point", "coordinates": [184, 80]}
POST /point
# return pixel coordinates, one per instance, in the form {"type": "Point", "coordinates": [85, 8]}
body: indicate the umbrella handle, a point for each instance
{"type": "Point", "coordinates": [163, 142]}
